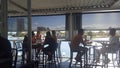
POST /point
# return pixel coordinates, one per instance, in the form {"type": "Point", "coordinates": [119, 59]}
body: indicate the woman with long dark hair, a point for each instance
{"type": "Point", "coordinates": [49, 50]}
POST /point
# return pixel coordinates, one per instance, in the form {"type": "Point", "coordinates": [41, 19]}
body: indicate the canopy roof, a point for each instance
{"type": "Point", "coordinates": [41, 7]}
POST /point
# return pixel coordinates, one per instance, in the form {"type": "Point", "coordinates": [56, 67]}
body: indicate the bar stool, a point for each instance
{"type": "Point", "coordinates": [20, 50]}
{"type": "Point", "coordinates": [14, 57]}
{"type": "Point", "coordinates": [114, 57]}
{"type": "Point", "coordinates": [54, 60]}
{"type": "Point", "coordinates": [71, 57]}
{"type": "Point", "coordinates": [95, 51]}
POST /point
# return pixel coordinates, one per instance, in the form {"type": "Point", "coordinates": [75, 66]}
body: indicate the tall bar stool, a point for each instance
{"type": "Point", "coordinates": [114, 57]}
{"type": "Point", "coordinates": [112, 52]}
{"type": "Point", "coordinates": [55, 59]}
{"type": "Point", "coordinates": [71, 56]}
{"type": "Point", "coordinates": [93, 63]}
{"type": "Point", "coordinates": [14, 57]}
{"type": "Point", "coordinates": [20, 50]}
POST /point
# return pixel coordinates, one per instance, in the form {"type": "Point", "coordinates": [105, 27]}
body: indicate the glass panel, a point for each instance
{"type": "Point", "coordinates": [101, 21]}
{"type": "Point", "coordinates": [49, 22]}
{"type": "Point", "coordinates": [96, 25]}
{"type": "Point", "coordinates": [17, 29]}
{"type": "Point", "coordinates": [54, 22]}
{"type": "Point", "coordinates": [17, 26]}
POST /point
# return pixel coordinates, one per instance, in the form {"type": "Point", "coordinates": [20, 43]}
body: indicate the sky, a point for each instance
{"type": "Point", "coordinates": [101, 20]}
{"type": "Point", "coordinates": [52, 22]}
{"type": "Point", "coordinates": [57, 22]}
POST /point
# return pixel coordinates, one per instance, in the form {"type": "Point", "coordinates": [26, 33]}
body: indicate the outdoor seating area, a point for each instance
{"type": "Point", "coordinates": [88, 60]}
{"type": "Point", "coordinates": [60, 34]}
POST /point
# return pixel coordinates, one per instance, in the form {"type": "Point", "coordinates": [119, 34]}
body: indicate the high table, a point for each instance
{"type": "Point", "coordinates": [90, 56]}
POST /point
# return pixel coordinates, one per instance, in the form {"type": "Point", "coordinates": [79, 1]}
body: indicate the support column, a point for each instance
{"type": "Point", "coordinates": [73, 24]}
{"type": "Point", "coordinates": [29, 31]}
{"type": "Point", "coordinates": [69, 26]}
{"type": "Point", "coordinates": [77, 23]}
{"type": "Point", "coordinates": [3, 16]}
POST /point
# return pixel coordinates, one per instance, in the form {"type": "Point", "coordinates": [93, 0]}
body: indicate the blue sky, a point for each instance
{"type": "Point", "coordinates": [53, 22]}
{"type": "Point", "coordinates": [101, 20]}
{"type": "Point", "coordinates": [57, 22]}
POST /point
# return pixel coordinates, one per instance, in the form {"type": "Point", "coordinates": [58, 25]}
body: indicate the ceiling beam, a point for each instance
{"type": "Point", "coordinates": [19, 6]}
{"type": "Point", "coordinates": [115, 3]}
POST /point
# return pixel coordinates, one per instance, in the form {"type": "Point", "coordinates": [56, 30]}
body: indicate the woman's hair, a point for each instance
{"type": "Point", "coordinates": [48, 34]}
{"type": "Point", "coordinates": [80, 31]}
{"type": "Point", "coordinates": [53, 32]}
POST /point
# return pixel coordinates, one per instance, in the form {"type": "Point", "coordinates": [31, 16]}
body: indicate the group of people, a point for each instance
{"type": "Point", "coordinates": [78, 39]}
{"type": "Point", "coordinates": [50, 40]}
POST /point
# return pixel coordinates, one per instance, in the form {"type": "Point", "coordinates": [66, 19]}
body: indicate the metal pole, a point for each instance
{"type": "Point", "coordinates": [71, 25]}
{"type": "Point", "coordinates": [4, 26]}
{"type": "Point", "coordinates": [29, 31]}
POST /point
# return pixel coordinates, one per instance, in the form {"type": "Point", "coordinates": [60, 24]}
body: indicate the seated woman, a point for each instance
{"type": "Point", "coordinates": [50, 49]}
{"type": "Point", "coordinates": [55, 38]}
